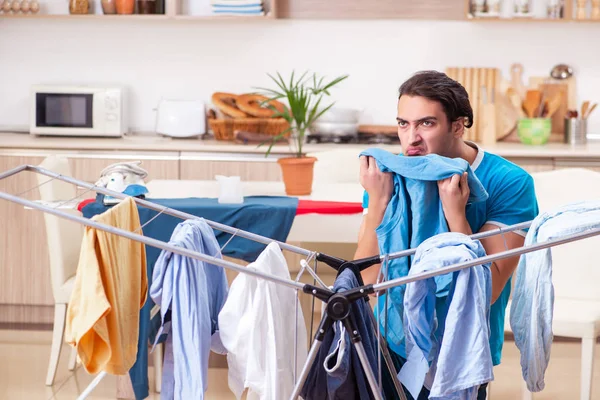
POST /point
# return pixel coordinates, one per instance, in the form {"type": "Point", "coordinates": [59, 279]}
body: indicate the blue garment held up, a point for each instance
{"type": "Point", "coordinates": [413, 215]}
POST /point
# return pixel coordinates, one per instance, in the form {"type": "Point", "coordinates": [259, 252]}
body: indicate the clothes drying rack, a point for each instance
{"type": "Point", "coordinates": [338, 305]}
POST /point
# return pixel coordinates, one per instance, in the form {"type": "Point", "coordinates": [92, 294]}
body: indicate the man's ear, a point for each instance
{"type": "Point", "coordinates": [458, 128]}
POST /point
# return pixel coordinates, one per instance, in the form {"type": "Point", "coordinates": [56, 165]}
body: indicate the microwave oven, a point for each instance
{"type": "Point", "coordinates": [77, 110]}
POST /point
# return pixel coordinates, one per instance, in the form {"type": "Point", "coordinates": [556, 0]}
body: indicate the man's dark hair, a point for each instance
{"type": "Point", "coordinates": [439, 87]}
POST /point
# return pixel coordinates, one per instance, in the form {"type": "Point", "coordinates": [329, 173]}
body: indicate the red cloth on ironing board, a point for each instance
{"type": "Point", "coordinates": [328, 207]}
{"type": "Point", "coordinates": [304, 207]}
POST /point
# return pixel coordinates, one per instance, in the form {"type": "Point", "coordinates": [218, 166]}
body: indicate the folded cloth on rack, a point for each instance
{"type": "Point", "coordinates": [257, 329]}
{"type": "Point", "coordinates": [414, 208]}
{"type": "Point", "coordinates": [269, 216]}
{"type": "Point", "coordinates": [532, 304]}
{"type": "Point", "coordinates": [450, 355]}
{"type": "Point", "coordinates": [110, 288]}
{"type": "Point", "coordinates": [414, 214]}
{"type": "Point", "coordinates": [337, 372]}
{"type": "Point", "coordinates": [193, 293]}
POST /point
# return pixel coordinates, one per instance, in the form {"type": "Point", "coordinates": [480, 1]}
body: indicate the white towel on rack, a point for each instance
{"type": "Point", "coordinates": [257, 329]}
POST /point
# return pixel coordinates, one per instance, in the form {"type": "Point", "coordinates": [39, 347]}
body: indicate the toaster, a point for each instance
{"type": "Point", "coordinates": [181, 118]}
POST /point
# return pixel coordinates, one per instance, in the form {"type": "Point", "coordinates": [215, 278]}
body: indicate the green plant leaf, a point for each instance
{"type": "Point", "coordinates": [323, 111]}
{"type": "Point", "coordinates": [304, 94]}
{"type": "Point", "coordinates": [335, 82]}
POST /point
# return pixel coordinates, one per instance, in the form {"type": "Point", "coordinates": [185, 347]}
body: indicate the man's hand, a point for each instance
{"type": "Point", "coordinates": [379, 185]}
{"type": "Point", "coordinates": [454, 193]}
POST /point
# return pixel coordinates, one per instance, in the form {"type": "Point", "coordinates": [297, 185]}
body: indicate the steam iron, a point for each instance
{"type": "Point", "coordinates": [124, 177]}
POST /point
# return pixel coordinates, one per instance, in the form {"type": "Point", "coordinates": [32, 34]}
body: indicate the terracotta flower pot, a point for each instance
{"type": "Point", "coordinates": [297, 174]}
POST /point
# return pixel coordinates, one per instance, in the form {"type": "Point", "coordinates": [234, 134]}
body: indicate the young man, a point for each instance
{"type": "Point", "coordinates": [433, 111]}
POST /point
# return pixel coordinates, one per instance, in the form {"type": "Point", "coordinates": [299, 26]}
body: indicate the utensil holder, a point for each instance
{"type": "Point", "coordinates": [575, 131]}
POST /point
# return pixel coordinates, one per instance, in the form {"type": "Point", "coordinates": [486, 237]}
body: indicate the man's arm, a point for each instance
{"type": "Point", "coordinates": [379, 186]}
{"type": "Point", "coordinates": [368, 244]}
{"type": "Point", "coordinates": [503, 269]}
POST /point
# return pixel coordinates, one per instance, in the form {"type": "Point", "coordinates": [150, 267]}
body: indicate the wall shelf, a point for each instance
{"type": "Point", "coordinates": [568, 12]}
{"type": "Point", "coordinates": [173, 12]}
{"type": "Point", "coordinates": [530, 20]}
{"type": "Point", "coordinates": [142, 17]}
{"type": "Point", "coordinates": [130, 17]}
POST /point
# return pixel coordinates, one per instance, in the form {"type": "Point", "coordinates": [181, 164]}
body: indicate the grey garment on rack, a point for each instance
{"type": "Point", "coordinates": [533, 298]}
{"type": "Point", "coordinates": [337, 372]}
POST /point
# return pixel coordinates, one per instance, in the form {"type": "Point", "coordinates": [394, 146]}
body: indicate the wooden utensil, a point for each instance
{"type": "Point", "coordinates": [531, 102]}
{"type": "Point", "coordinates": [590, 110]}
{"type": "Point", "coordinates": [516, 73]}
{"type": "Point", "coordinates": [553, 104]}
{"type": "Point", "coordinates": [584, 108]}
{"type": "Point", "coordinates": [515, 100]}
{"type": "Point", "coordinates": [507, 116]}
{"type": "Point", "coordinates": [568, 90]}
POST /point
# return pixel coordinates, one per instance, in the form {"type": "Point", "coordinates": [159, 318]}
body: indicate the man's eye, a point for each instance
{"type": "Point", "coordinates": [427, 123]}
{"type": "Point", "coordinates": [402, 123]}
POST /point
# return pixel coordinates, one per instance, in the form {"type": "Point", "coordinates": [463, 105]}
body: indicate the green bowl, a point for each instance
{"type": "Point", "coordinates": [534, 131]}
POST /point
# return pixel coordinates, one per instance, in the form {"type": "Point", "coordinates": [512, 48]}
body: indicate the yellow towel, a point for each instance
{"type": "Point", "coordinates": [110, 288]}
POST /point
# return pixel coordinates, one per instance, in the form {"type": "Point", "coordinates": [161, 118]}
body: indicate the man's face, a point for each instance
{"type": "Point", "coordinates": [423, 127]}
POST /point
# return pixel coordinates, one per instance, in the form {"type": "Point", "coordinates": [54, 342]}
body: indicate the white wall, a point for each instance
{"type": "Point", "coordinates": [192, 59]}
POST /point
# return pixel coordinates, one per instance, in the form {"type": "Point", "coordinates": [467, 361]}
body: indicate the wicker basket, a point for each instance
{"type": "Point", "coordinates": [224, 129]}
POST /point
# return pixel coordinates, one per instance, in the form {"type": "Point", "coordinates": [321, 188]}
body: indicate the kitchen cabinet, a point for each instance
{"type": "Point", "coordinates": [372, 9]}
{"type": "Point", "coordinates": [249, 167]}
{"type": "Point", "coordinates": [25, 290]}
{"type": "Point", "coordinates": [24, 265]}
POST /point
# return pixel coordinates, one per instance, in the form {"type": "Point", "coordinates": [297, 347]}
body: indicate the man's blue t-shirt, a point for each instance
{"type": "Point", "coordinates": [511, 201]}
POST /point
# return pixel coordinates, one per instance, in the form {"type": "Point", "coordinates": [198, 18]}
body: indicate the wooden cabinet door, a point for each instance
{"type": "Point", "coordinates": [24, 263]}
{"type": "Point", "coordinates": [372, 9]}
{"type": "Point", "coordinates": [197, 166]}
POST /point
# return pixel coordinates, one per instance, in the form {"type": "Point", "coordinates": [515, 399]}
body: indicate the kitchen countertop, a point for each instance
{"type": "Point", "coordinates": [24, 141]}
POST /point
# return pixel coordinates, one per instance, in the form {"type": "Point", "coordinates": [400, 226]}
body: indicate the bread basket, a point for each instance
{"type": "Point", "coordinates": [224, 129]}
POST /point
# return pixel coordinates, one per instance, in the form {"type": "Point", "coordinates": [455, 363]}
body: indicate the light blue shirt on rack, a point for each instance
{"type": "Point", "coordinates": [511, 200]}
{"type": "Point", "coordinates": [533, 298]}
{"type": "Point", "coordinates": [194, 291]}
{"type": "Point", "coordinates": [451, 358]}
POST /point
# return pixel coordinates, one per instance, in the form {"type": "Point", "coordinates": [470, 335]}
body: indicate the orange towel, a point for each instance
{"type": "Point", "coordinates": [110, 288]}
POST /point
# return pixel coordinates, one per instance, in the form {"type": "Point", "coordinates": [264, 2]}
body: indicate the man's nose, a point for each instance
{"type": "Point", "coordinates": [414, 136]}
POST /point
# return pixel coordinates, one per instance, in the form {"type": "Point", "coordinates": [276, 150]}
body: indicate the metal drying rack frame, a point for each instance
{"type": "Point", "coordinates": [338, 304]}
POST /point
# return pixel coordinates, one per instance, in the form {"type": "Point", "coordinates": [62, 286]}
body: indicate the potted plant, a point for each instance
{"type": "Point", "coordinates": [304, 96]}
